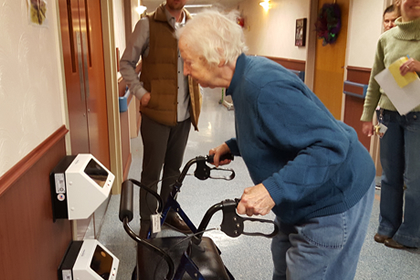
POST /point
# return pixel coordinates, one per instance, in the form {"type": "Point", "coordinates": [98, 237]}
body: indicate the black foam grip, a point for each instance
{"type": "Point", "coordinates": [210, 158]}
{"type": "Point", "coordinates": [126, 201]}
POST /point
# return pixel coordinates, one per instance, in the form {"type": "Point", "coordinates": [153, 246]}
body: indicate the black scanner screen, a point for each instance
{"type": "Point", "coordinates": [101, 263]}
{"type": "Point", "coordinates": [96, 173]}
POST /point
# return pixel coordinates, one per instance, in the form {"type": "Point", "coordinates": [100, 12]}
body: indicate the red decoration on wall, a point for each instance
{"type": "Point", "coordinates": [241, 21]}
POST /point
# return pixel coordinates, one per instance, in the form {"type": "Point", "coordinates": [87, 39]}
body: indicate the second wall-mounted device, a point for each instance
{"type": "Point", "coordinates": [88, 260]}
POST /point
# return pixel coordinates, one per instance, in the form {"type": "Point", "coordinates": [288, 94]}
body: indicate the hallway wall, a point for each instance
{"type": "Point", "coordinates": [31, 84]}
{"type": "Point", "coordinates": [32, 141]}
{"type": "Point", "coordinates": [32, 245]}
{"type": "Point", "coordinates": [365, 27]}
{"type": "Point", "coordinates": [119, 25]}
{"type": "Point", "coordinates": [271, 33]}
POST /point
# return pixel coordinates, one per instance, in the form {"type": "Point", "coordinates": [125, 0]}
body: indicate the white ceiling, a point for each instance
{"type": "Point", "coordinates": [152, 4]}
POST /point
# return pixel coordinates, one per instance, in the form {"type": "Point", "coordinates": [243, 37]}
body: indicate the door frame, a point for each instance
{"type": "Point", "coordinates": [111, 88]}
{"type": "Point", "coordinates": [111, 85]}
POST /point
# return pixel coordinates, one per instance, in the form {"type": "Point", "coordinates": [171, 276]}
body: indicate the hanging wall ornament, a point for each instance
{"type": "Point", "coordinates": [37, 11]}
{"type": "Point", "coordinates": [328, 23]}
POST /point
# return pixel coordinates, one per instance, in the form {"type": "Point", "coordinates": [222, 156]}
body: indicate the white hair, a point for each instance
{"type": "Point", "coordinates": [215, 36]}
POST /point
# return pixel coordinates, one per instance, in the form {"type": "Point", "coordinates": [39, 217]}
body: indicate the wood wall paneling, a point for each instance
{"type": "Point", "coordinates": [353, 111]}
{"type": "Point", "coordinates": [32, 245]}
{"type": "Point", "coordinates": [354, 105]}
{"type": "Point", "coordinates": [295, 66]}
{"type": "Point", "coordinates": [358, 74]}
{"type": "Point", "coordinates": [292, 64]}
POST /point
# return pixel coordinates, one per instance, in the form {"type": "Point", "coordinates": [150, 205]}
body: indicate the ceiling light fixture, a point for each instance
{"type": "Point", "coordinates": [199, 6]}
{"type": "Point", "coordinates": [266, 5]}
{"type": "Point", "coordinates": [140, 8]}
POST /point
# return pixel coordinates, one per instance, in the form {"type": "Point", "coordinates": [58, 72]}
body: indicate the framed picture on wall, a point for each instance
{"type": "Point", "coordinates": [300, 35]}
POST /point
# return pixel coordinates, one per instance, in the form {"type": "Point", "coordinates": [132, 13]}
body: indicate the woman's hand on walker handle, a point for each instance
{"type": "Point", "coordinates": [218, 152]}
{"type": "Point", "coordinates": [255, 200]}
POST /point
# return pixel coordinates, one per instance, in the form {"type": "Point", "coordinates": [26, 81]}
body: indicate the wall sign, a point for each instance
{"type": "Point", "coordinates": [300, 35]}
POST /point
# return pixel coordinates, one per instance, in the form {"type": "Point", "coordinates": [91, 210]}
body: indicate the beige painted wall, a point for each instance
{"type": "Point", "coordinates": [118, 6]}
{"type": "Point", "coordinates": [31, 84]}
{"type": "Point", "coordinates": [365, 27]}
{"type": "Point", "coordinates": [272, 33]}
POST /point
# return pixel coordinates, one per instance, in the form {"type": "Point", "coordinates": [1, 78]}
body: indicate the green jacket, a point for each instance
{"type": "Point", "coordinates": [400, 41]}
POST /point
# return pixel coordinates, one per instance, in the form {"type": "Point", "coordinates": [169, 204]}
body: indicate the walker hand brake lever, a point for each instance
{"type": "Point", "coordinates": [223, 157]}
{"type": "Point", "coordinates": [233, 224]}
{"type": "Point", "coordinates": [227, 178]}
{"type": "Point", "coordinates": [203, 171]}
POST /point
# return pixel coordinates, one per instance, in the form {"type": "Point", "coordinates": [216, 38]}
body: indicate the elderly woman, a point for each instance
{"type": "Point", "coordinates": [307, 167]}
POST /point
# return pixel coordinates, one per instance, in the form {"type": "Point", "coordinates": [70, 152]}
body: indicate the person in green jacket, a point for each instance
{"type": "Point", "coordinates": [399, 221]}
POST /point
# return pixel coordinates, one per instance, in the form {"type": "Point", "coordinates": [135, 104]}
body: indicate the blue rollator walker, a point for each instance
{"type": "Point", "coordinates": [184, 257]}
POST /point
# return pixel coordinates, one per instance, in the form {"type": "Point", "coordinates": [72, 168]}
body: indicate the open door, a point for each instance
{"type": "Point", "coordinates": [329, 64]}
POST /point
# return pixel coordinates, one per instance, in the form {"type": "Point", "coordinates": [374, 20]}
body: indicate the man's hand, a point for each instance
{"type": "Point", "coordinates": [219, 151]}
{"type": "Point", "coordinates": [255, 200]}
{"type": "Point", "coordinates": [145, 99]}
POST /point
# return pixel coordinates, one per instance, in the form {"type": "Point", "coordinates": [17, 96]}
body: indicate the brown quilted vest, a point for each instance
{"type": "Point", "coordinates": [159, 75]}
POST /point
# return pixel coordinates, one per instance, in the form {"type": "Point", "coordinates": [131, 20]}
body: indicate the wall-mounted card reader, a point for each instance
{"type": "Point", "coordinates": [88, 260]}
{"type": "Point", "coordinates": [79, 185]}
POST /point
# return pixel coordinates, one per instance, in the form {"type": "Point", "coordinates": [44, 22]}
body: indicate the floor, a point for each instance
{"type": "Point", "coordinates": [248, 258]}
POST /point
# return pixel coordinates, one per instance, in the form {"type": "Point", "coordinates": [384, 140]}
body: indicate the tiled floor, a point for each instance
{"type": "Point", "coordinates": [248, 258]}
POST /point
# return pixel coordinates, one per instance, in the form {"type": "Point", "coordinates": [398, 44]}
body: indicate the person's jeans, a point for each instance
{"type": "Point", "coordinates": [400, 159]}
{"type": "Point", "coordinates": [324, 248]}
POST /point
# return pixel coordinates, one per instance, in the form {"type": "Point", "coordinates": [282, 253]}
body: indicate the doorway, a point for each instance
{"type": "Point", "coordinates": [330, 63]}
{"type": "Point", "coordinates": [81, 34]}
{"type": "Point", "coordinates": [83, 58]}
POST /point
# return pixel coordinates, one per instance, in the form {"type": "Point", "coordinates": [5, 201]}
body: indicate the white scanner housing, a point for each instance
{"type": "Point", "coordinates": [79, 186]}
{"type": "Point", "coordinates": [88, 260]}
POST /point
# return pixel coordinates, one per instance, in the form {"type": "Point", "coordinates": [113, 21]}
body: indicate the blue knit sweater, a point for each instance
{"type": "Point", "coordinates": [311, 164]}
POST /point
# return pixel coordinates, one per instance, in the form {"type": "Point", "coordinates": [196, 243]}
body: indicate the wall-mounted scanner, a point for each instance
{"type": "Point", "coordinates": [88, 260]}
{"type": "Point", "coordinates": [79, 185]}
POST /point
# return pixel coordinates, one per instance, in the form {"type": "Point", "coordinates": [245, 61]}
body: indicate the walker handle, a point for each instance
{"type": "Point", "coordinates": [210, 158]}
{"type": "Point", "coordinates": [233, 224]}
{"type": "Point", "coordinates": [202, 171]}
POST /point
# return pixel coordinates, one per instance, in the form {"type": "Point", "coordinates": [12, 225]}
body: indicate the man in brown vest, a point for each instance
{"type": "Point", "coordinates": [169, 102]}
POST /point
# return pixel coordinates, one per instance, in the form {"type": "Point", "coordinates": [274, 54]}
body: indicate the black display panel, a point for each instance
{"type": "Point", "coordinates": [96, 173]}
{"type": "Point", "coordinates": [101, 263]}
